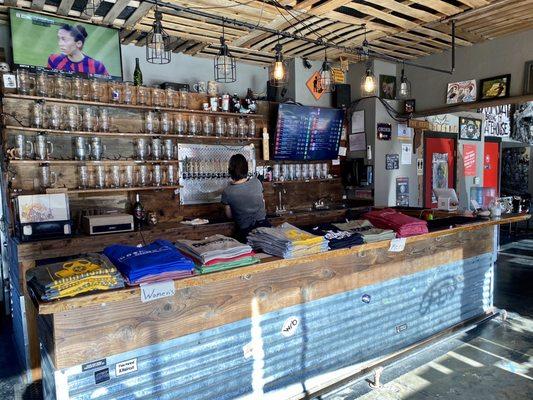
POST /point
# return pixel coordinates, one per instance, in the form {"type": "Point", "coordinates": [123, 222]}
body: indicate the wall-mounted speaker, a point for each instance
{"type": "Point", "coordinates": [341, 95]}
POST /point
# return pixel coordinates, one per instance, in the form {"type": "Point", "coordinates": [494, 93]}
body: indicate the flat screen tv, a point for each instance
{"type": "Point", "coordinates": [307, 133]}
{"type": "Point", "coordinates": [61, 44]}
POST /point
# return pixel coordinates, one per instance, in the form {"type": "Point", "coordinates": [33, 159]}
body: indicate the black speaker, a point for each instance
{"type": "Point", "coordinates": [341, 95]}
{"type": "Point", "coordinates": [275, 93]}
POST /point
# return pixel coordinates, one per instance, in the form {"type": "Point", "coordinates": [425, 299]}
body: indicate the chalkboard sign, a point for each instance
{"type": "Point", "coordinates": [392, 161]}
{"type": "Point", "coordinates": [384, 131]}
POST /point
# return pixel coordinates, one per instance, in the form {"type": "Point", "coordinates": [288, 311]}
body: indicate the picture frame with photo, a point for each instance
{"type": "Point", "coordinates": [409, 106]}
{"type": "Point", "coordinates": [528, 77]}
{"type": "Point", "coordinates": [461, 92]}
{"type": "Point", "coordinates": [387, 87]}
{"type": "Point", "coordinates": [469, 128]}
{"type": "Point", "coordinates": [495, 87]}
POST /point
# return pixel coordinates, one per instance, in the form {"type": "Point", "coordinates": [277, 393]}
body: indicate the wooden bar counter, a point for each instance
{"type": "Point", "coordinates": [277, 329]}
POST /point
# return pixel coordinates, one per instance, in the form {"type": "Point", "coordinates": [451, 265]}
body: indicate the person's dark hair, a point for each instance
{"type": "Point", "coordinates": [78, 32]}
{"type": "Point", "coordinates": [238, 167]}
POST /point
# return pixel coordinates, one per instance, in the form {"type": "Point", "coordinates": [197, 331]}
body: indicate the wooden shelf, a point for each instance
{"type": "Point", "coordinates": [105, 190]}
{"type": "Point", "coordinates": [130, 106]}
{"type": "Point", "coordinates": [300, 181]}
{"type": "Point", "coordinates": [451, 108]}
{"type": "Point", "coordinates": [91, 162]}
{"type": "Point", "coordinates": [129, 134]}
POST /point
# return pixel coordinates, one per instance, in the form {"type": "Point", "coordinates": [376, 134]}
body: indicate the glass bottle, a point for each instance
{"type": "Point", "coordinates": [137, 74]}
{"type": "Point", "coordinates": [138, 212]}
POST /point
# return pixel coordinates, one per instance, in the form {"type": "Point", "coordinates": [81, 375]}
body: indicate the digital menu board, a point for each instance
{"type": "Point", "coordinates": [307, 133]}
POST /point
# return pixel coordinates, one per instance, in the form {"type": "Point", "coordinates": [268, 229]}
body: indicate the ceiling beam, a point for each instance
{"type": "Point", "coordinates": [64, 7]}
{"type": "Point", "coordinates": [115, 11]}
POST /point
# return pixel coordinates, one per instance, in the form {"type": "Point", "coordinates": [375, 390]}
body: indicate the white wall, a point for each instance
{"type": "Point", "coordinates": [297, 88]}
{"type": "Point", "coordinates": [505, 55]}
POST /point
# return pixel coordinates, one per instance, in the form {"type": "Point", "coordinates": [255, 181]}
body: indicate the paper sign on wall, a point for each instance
{"type": "Point", "coordinates": [470, 159]}
{"type": "Point", "coordinates": [407, 149]}
{"type": "Point", "coordinates": [358, 121]}
{"type": "Point", "coordinates": [404, 132]}
{"type": "Point", "coordinates": [402, 191]}
{"type": "Point", "coordinates": [342, 151]}
{"type": "Point", "coordinates": [358, 141]}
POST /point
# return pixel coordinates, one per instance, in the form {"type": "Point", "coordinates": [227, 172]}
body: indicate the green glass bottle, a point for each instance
{"type": "Point", "coordinates": [137, 74]}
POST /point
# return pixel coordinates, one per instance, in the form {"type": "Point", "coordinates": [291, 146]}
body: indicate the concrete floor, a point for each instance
{"type": "Point", "coordinates": [494, 361]}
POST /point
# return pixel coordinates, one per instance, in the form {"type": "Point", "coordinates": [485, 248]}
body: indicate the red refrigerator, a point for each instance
{"type": "Point", "coordinates": [440, 164]}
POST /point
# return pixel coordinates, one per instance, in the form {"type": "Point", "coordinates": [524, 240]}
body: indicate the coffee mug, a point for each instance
{"type": "Point", "coordinates": [199, 87]}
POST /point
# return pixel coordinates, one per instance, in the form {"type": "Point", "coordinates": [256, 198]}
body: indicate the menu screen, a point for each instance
{"type": "Point", "coordinates": [307, 133]}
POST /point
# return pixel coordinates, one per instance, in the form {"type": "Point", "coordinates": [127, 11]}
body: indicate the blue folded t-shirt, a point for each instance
{"type": "Point", "coordinates": [155, 258]}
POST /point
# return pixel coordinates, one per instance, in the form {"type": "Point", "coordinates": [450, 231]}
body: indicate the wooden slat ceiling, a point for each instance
{"type": "Point", "coordinates": [404, 29]}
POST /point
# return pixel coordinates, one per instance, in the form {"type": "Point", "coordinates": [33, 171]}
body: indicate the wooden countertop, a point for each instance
{"type": "Point", "coordinates": [245, 273]}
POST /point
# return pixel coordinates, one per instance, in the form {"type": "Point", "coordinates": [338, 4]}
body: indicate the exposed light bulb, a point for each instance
{"type": "Point", "coordinates": [404, 89]}
{"type": "Point", "coordinates": [279, 70]}
{"type": "Point", "coordinates": [369, 84]}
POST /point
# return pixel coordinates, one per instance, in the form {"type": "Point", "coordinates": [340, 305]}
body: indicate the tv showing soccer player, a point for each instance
{"type": "Point", "coordinates": [61, 44]}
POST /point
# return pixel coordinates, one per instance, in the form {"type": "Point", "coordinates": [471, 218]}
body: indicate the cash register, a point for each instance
{"type": "Point", "coordinates": [446, 199]}
{"type": "Point", "coordinates": [43, 216]}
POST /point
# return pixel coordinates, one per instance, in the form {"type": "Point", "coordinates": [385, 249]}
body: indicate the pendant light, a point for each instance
{"type": "Point", "coordinates": [326, 75]}
{"type": "Point", "coordinates": [157, 44]}
{"type": "Point", "coordinates": [279, 73]}
{"type": "Point", "coordinates": [404, 89]}
{"type": "Point", "coordinates": [368, 81]}
{"type": "Point", "coordinates": [90, 8]}
{"type": "Point", "coordinates": [225, 64]}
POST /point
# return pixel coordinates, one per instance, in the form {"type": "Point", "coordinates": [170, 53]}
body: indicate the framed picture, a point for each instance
{"type": "Point", "coordinates": [387, 87]}
{"type": "Point", "coordinates": [461, 92]}
{"type": "Point", "coordinates": [384, 131]}
{"type": "Point", "coordinates": [409, 106]}
{"type": "Point", "coordinates": [497, 120]}
{"type": "Point", "coordinates": [469, 128]}
{"type": "Point", "coordinates": [392, 161]}
{"type": "Point", "coordinates": [528, 78]}
{"type": "Point", "coordinates": [495, 87]}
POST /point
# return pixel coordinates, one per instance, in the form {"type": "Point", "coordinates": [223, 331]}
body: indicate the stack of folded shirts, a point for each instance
{"type": "Point", "coordinates": [156, 262]}
{"type": "Point", "coordinates": [92, 272]}
{"type": "Point", "coordinates": [217, 253]}
{"type": "Point", "coordinates": [367, 231]}
{"type": "Point", "coordinates": [402, 224]}
{"type": "Point", "coordinates": [337, 238]}
{"type": "Point", "coordinates": [286, 241]}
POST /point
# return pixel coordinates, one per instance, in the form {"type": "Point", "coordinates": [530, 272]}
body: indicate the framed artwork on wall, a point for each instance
{"type": "Point", "coordinates": [387, 87]}
{"type": "Point", "coordinates": [497, 120]}
{"type": "Point", "coordinates": [409, 106]}
{"type": "Point", "coordinates": [495, 87]}
{"type": "Point", "coordinates": [528, 78]}
{"type": "Point", "coordinates": [461, 92]}
{"type": "Point", "coordinates": [469, 128]}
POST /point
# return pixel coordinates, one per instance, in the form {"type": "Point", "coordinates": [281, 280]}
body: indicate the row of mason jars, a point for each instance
{"type": "Point", "coordinates": [115, 176]}
{"type": "Point", "coordinates": [54, 116]}
{"type": "Point", "coordinates": [303, 171]}
{"type": "Point", "coordinates": [61, 86]}
{"type": "Point", "coordinates": [92, 148]}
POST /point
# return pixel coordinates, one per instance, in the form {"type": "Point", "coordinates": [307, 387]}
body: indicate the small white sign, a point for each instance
{"type": "Point", "coordinates": [10, 82]}
{"type": "Point", "coordinates": [248, 350]}
{"type": "Point", "coordinates": [397, 245]}
{"type": "Point", "coordinates": [126, 367]}
{"type": "Point", "coordinates": [342, 151]}
{"type": "Point", "coordinates": [158, 290]}
{"type": "Point", "coordinates": [407, 148]}
{"type": "Point", "coordinates": [290, 326]}
{"type": "Point", "coordinates": [336, 162]}
{"type": "Point", "coordinates": [420, 166]}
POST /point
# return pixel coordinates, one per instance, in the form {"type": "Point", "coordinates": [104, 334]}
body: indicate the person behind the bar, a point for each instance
{"type": "Point", "coordinates": [243, 198]}
{"type": "Point", "coordinates": [71, 40]}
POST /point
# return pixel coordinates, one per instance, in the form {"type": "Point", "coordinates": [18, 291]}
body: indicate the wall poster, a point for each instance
{"type": "Point", "coordinates": [497, 120]}
{"type": "Point", "coordinates": [440, 173]}
{"type": "Point", "coordinates": [392, 161]}
{"type": "Point", "coordinates": [515, 170]}
{"type": "Point", "coordinates": [402, 191]}
{"type": "Point", "coordinates": [523, 123]}
{"type": "Point", "coordinates": [384, 131]}
{"type": "Point", "coordinates": [470, 159]}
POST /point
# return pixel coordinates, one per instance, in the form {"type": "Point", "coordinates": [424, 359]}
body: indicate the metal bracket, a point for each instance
{"type": "Point", "coordinates": [377, 378]}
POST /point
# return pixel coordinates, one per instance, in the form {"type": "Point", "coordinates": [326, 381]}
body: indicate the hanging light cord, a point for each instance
{"type": "Point", "coordinates": [395, 115]}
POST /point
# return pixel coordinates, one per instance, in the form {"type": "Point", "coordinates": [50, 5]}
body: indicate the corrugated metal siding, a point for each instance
{"type": "Point", "coordinates": [333, 332]}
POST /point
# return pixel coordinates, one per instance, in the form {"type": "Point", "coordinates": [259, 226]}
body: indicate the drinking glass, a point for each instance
{"type": "Point", "coordinates": [305, 171]}
{"type": "Point", "coordinates": [285, 172]}
{"type": "Point", "coordinates": [231, 128]}
{"type": "Point", "coordinates": [82, 148]}
{"type": "Point", "coordinates": [170, 95]}
{"type": "Point", "coordinates": [183, 98]}
{"type": "Point", "coordinates": [325, 170]}
{"type": "Point", "coordinates": [252, 128]}
{"type": "Point", "coordinates": [128, 176]}
{"type": "Point", "coordinates": [47, 178]}
{"type": "Point", "coordinates": [116, 92]}
{"type": "Point", "coordinates": [220, 127]}
{"type": "Point", "coordinates": [42, 83]}
{"type": "Point", "coordinates": [297, 172]}
{"type": "Point", "coordinates": [73, 118]}
{"type": "Point", "coordinates": [89, 119]}
{"type": "Point", "coordinates": [207, 124]}
{"type": "Point", "coordinates": [97, 89]}
{"type": "Point", "coordinates": [143, 95]}
{"type": "Point", "coordinates": [312, 171]}
{"type": "Point", "coordinates": [168, 149]}
{"type": "Point", "coordinates": [97, 148]}
{"type": "Point", "coordinates": [157, 175]}
{"type": "Point", "coordinates": [158, 97]}
{"type": "Point", "coordinates": [180, 124]}
{"type": "Point", "coordinates": [54, 116]}
{"type": "Point", "coordinates": [144, 176]}
{"type": "Point", "coordinates": [114, 176]}
{"type": "Point", "coordinates": [157, 148]}
{"type": "Point", "coordinates": [103, 120]}
{"type": "Point", "coordinates": [276, 172]}
{"type": "Point", "coordinates": [43, 147]}
{"type": "Point", "coordinates": [195, 126]}
{"type": "Point", "coordinates": [23, 147]}
{"type": "Point", "coordinates": [77, 88]}
{"type": "Point", "coordinates": [128, 90]}
{"type": "Point", "coordinates": [83, 176]}
{"type": "Point", "coordinates": [23, 81]}
{"type": "Point", "coordinates": [292, 172]}
{"type": "Point", "coordinates": [60, 86]}
{"type": "Point", "coordinates": [141, 149]}
{"type": "Point", "coordinates": [165, 122]}
{"type": "Point", "coordinates": [37, 115]}
{"type": "Point", "coordinates": [171, 174]}
{"type": "Point", "coordinates": [99, 177]}
{"type": "Point", "coordinates": [149, 122]}
{"type": "Point", "coordinates": [242, 128]}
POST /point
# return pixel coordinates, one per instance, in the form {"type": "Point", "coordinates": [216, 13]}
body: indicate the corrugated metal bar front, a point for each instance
{"type": "Point", "coordinates": [277, 354]}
